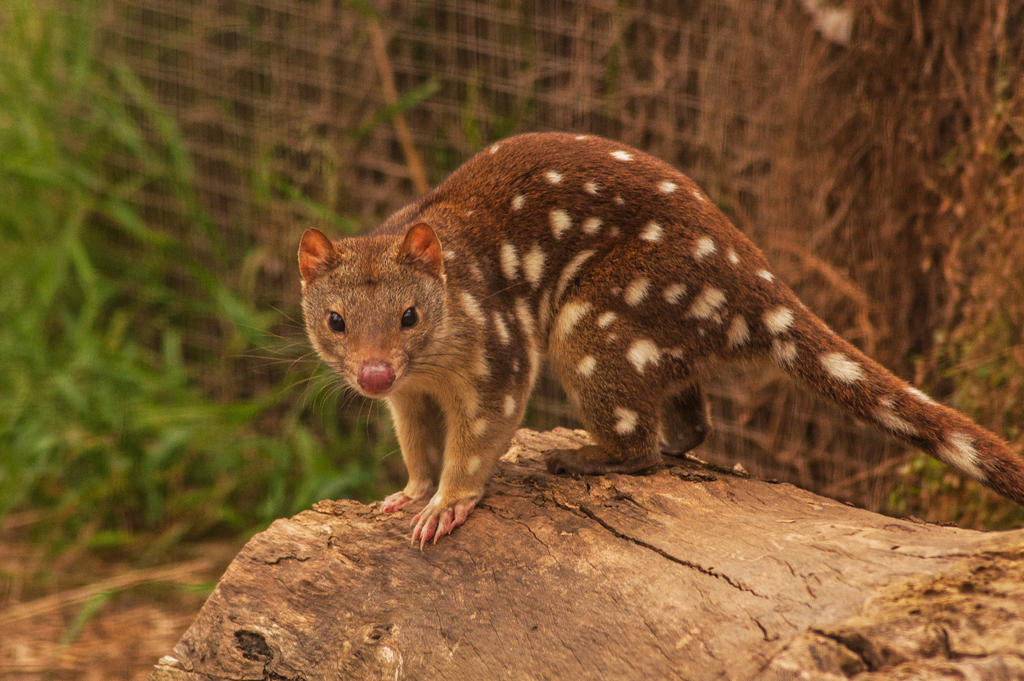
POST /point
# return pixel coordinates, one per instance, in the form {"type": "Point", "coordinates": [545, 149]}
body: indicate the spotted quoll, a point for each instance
{"type": "Point", "coordinates": [619, 270]}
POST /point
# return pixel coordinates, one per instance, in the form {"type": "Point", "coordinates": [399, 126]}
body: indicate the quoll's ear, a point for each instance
{"type": "Point", "coordinates": [317, 255]}
{"type": "Point", "coordinates": [421, 246]}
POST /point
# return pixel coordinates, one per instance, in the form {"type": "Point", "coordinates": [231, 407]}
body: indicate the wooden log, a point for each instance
{"type": "Point", "coordinates": [690, 572]}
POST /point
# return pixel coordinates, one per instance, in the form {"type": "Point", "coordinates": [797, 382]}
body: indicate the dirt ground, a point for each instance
{"type": "Point", "coordinates": [78, 616]}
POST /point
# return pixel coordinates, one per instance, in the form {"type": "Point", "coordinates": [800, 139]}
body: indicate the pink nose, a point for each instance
{"type": "Point", "coordinates": [376, 376]}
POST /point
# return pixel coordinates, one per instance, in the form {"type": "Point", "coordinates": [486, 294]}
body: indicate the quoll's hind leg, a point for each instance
{"type": "Point", "coordinates": [617, 397]}
{"type": "Point", "coordinates": [627, 438]}
{"type": "Point", "coordinates": [685, 420]}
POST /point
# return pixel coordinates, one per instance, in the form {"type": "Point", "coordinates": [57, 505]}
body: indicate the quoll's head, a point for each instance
{"type": "Point", "coordinates": [371, 303]}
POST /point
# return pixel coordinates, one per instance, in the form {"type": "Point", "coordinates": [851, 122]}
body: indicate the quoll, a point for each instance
{"type": "Point", "coordinates": [621, 272]}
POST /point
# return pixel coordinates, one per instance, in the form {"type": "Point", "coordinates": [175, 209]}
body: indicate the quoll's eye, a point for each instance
{"type": "Point", "coordinates": [409, 318]}
{"type": "Point", "coordinates": [336, 323]}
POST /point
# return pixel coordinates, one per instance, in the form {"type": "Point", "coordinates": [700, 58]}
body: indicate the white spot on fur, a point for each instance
{"type": "Point", "coordinates": [733, 258]}
{"type": "Point", "coordinates": [707, 303]}
{"type": "Point", "coordinates": [705, 247]}
{"type": "Point", "coordinates": [591, 188]}
{"type": "Point", "coordinates": [570, 270]}
{"type": "Point", "coordinates": [625, 420]}
{"type": "Point", "coordinates": [652, 231]}
{"type": "Point", "coordinates": [472, 308]}
{"type": "Point", "coordinates": [534, 358]}
{"type": "Point", "coordinates": [499, 325]}
{"type": "Point", "coordinates": [887, 417]}
{"type": "Point", "coordinates": [697, 195]}
{"type": "Point", "coordinates": [471, 403]}
{"type": "Point", "coordinates": [643, 352]}
{"type": "Point", "coordinates": [473, 465]}
{"type": "Point", "coordinates": [581, 137]}
{"type": "Point", "coordinates": [636, 291]}
{"type": "Point", "coordinates": [553, 176]}
{"type": "Point", "coordinates": [766, 275]}
{"type": "Point", "coordinates": [525, 319]}
{"type": "Point", "coordinates": [841, 367]}
{"type": "Point", "coordinates": [533, 265]}
{"type": "Point", "coordinates": [586, 366]}
{"type": "Point", "coordinates": [544, 311]}
{"type": "Point", "coordinates": [622, 155]}
{"type": "Point", "coordinates": [571, 313]}
{"type": "Point", "coordinates": [619, 200]}
{"type": "Point", "coordinates": [778, 320]}
{"type": "Point", "coordinates": [560, 222]}
{"type": "Point", "coordinates": [920, 395]}
{"type": "Point", "coordinates": [494, 148]}
{"type": "Point", "coordinates": [739, 332]}
{"type": "Point", "coordinates": [958, 450]}
{"type": "Point", "coordinates": [784, 352]}
{"type": "Point", "coordinates": [469, 213]}
{"type": "Point", "coordinates": [449, 254]}
{"type": "Point", "coordinates": [480, 366]}
{"type": "Point", "coordinates": [667, 186]}
{"type": "Point", "coordinates": [606, 319]}
{"type": "Point", "coordinates": [509, 260]}
{"type": "Point", "coordinates": [518, 202]}
{"type": "Point", "coordinates": [673, 293]}
{"type": "Point", "coordinates": [592, 226]}
{"type": "Point", "coordinates": [510, 406]}
{"type": "Point", "coordinates": [479, 426]}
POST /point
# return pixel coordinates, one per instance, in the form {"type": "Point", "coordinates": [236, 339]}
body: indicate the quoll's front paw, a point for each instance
{"type": "Point", "coordinates": [411, 493]}
{"type": "Point", "coordinates": [440, 517]}
{"type": "Point", "coordinates": [393, 502]}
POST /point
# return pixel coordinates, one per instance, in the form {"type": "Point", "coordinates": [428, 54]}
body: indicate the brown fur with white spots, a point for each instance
{"type": "Point", "coordinates": [617, 268]}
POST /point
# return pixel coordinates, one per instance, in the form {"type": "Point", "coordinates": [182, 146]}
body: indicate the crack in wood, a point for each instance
{"type": "Point", "coordinates": [710, 572]}
{"type": "Point", "coordinates": [764, 632]}
{"type": "Point", "coordinates": [281, 559]}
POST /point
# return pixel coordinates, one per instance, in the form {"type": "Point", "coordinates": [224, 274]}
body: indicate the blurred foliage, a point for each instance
{"type": "Point", "coordinates": [956, 166]}
{"type": "Point", "coordinates": [929, 488]}
{"type": "Point", "coordinates": [107, 425]}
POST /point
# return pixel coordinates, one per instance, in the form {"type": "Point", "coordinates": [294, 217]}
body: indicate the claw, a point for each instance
{"type": "Point", "coordinates": [445, 523]}
{"type": "Point", "coordinates": [429, 531]}
{"type": "Point", "coordinates": [425, 525]}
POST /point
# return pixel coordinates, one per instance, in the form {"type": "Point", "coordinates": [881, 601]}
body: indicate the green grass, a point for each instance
{"type": "Point", "coordinates": [111, 323]}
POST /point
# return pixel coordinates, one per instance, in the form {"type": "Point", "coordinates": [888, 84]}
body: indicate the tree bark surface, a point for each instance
{"type": "Point", "coordinates": [690, 572]}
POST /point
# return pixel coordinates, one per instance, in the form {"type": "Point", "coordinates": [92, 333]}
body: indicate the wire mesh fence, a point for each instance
{"type": "Point", "coordinates": [797, 117]}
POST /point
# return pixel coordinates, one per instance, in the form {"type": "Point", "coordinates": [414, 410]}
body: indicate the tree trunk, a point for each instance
{"type": "Point", "coordinates": [691, 572]}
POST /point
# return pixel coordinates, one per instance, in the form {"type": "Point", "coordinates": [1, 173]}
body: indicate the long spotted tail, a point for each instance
{"type": "Point", "coordinates": [808, 349]}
